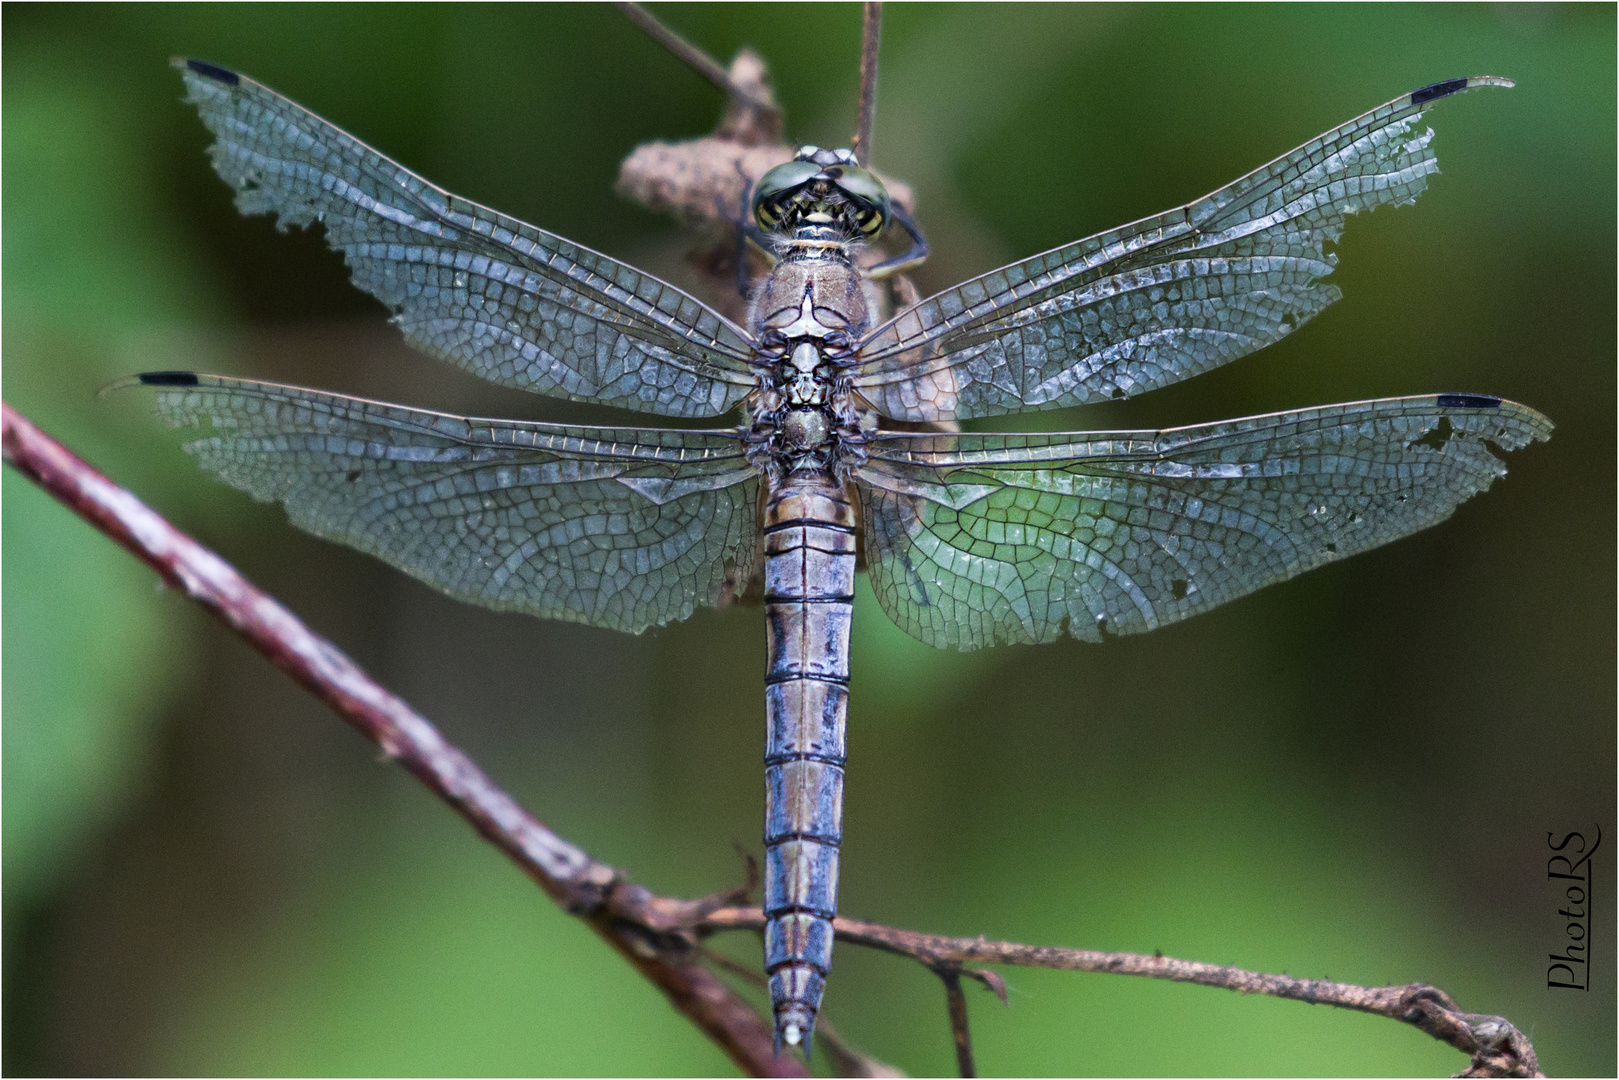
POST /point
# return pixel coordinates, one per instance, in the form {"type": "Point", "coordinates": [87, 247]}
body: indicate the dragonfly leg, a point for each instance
{"type": "Point", "coordinates": [912, 258]}
{"type": "Point", "coordinates": [746, 232]}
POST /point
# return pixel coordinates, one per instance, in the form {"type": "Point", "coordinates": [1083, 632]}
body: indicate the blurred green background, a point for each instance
{"type": "Point", "coordinates": [1352, 775]}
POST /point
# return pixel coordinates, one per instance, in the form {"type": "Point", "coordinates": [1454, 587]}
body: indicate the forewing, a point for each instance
{"type": "Point", "coordinates": [623, 528]}
{"type": "Point", "coordinates": [976, 540]}
{"type": "Point", "coordinates": [1161, 300]}
{"type": "Point", "coordinates": [504, 300]}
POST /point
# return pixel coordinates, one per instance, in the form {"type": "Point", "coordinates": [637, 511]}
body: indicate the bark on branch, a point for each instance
{"type": "Point", "coordinates": [1496, 1046]}
{"type": "Point", "coordinates": [578, 883]}
{"type": "Point", "coordinates": [660, 936]}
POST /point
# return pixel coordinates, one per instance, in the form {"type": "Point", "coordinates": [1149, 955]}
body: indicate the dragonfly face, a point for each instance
{"type": "Point", "coordinates": [826, 189]}
{"type": "Point", "coordinates": [970, 539]}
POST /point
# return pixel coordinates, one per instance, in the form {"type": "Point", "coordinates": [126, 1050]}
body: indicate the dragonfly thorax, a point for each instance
{"type": "Point", "coordinates": [807, 316]}
{"type": "Point", "coordinates": [803, 413]}
{"type": "Point", "coordinates": [808, 376]}
{"type": "Point", "coordinates": [805, 429]}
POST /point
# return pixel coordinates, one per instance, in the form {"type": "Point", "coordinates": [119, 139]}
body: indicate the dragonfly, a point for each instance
{"type": "Point", "coordinates": [840, 446]}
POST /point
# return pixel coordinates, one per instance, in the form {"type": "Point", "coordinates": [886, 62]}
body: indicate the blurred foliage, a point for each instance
{"type": "Point", "coordinates": [94, 645]}
{"type": "Point", "coordinates": [1351, 775]}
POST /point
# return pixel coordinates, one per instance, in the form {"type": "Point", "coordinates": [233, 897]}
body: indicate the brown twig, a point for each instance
{"type": "Point", "coordinates": [661, 936]}
{"type": "Point", "coordinates": [846, 1059]}
{"type": "Point", "coordinates": [956, 1005]}
{"type": "Point", "coordinates": [871, 32]}
{"type": "Point", "coordinates": [576, 881]}
{"type": "Point", "coordinates": [1495, 1045]}
{"type": "Point", "coordinates": [696, 59]}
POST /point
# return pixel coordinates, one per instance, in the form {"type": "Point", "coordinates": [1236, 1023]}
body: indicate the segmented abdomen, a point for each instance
{"type": "Point", "coordinates": [809, 588]}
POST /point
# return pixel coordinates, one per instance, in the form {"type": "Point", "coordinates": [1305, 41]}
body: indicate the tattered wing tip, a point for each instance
{"type": "Point", "coordinates": [1435, 91]}
{"type": "Point", "coordinates": [1469, 401]}
{"type": "Point", "coordinates": [151, 378]}
{"type": "Point", "coordinates": [167, 378]}
{"type": "Point", "coordinates": [1537, 423]}
{"type": "Point", "coordinates": [205, 69]}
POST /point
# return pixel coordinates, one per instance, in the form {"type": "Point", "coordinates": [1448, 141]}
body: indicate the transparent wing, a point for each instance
{"type": "Point", "coordinates": [1166, 298]}
{"type": "Point", "coordinates": [624, 528]}
{"type": "Point", "coordinates": [977, 540]}
{"type": "Point", "coordinates": [506, 301]}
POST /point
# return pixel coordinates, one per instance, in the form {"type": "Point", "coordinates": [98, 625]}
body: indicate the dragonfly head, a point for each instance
{"type": "Point", "coordinates": [822, 187]}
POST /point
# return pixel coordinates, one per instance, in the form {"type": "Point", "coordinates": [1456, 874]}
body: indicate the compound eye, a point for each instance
{"type": "Point", "coordinates": [784, 177]}
{"type": "Point", "coordinates": [774, 186]}
{"type": "Point", "coordinates": [869, 196]}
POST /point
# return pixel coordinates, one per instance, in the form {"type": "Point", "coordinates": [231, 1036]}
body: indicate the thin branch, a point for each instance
{"type": "Point", "coordinates": [660, 936]}
{"type": "Point", "coordinates": [572, 878]}
{"type": "Point", "coordinates": [956, 1005]}
{"type": "Point", "coordinates": [846, 1059]}
{"type": "Point", "coordinates": [871, 32]}
{"type": "Point", "coordinates": [695, 58]}
{"type": "Point", "coordinates": [1495, 1045]}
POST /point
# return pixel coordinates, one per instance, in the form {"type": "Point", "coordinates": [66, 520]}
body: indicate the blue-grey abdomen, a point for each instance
{"type": "Point", "coordinates": [810, 535]}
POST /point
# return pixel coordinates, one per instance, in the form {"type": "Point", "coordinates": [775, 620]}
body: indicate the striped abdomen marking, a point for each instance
{"type": "Point", "coordinates": [810, 534]}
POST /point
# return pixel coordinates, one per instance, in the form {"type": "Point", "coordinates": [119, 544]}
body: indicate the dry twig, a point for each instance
{"type": "Point", "coordinates": [572, 878]}
{"type": "Point", "coordinates": [871, 30]}
{"type": "Point", "coordinates": [697, 59]}
{"type": "Point", "coordinates": [1495, 1045]}
{"type": "Point", "coordinates": [662, 936]}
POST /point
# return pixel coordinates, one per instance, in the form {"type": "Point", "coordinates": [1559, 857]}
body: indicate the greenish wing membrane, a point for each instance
{"type": "Point", "coordinates": [504, 300]}
{"type": "Point", "coordinates": [1158, 301]}
{"type": "Point", "coordinates": [975, 540]}
{"type": "Point", "coordinates": [622, 528]}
